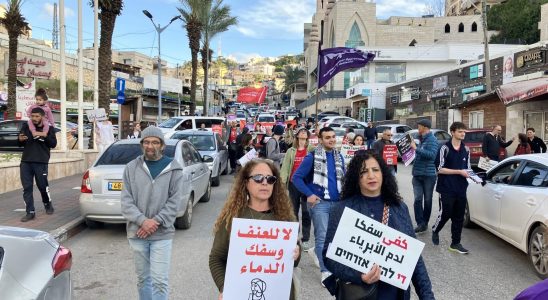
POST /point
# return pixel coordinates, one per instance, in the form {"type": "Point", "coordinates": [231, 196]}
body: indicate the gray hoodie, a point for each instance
{"type": "Point", "coordinates": [146, 198]}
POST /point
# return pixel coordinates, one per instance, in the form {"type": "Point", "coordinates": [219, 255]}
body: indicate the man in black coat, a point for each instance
{"type": "Point", "coordinates": [34, 162]}
{"type": "Point", "coordinates": [492, 142]}
{"type": "Point", "coordinates": [536, 143]}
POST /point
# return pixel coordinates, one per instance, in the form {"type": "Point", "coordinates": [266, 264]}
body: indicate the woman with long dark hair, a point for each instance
{"type": "Point", "coordinates": [370, 189]}
{"type": "Point", "coordinates": [523, 146]}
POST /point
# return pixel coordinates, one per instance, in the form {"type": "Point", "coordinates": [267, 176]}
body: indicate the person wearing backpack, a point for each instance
{"type": "Point", "coordinates": [273, 146]}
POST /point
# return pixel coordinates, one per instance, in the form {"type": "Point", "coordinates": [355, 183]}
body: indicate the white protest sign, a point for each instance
{"type": "Point", "coordinates": [260, 259]}
{"type": "Point", "coordinates": [486, 164]}
{"type": "Point", "coordinates": [247, 157]}
{"type": "Point", "coordinates": [347, 151]}
{"type": "Point", "coordinates": [360, 242]}
{"type": "Point", "coordinates": [96, 114]}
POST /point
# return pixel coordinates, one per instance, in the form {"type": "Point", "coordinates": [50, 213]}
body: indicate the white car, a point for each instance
{"type": "Point", "coordinates": [334, 121]}
{"type": "Point", "coordinates": [102, 183]}
{"type": "Point", "coordinates": [512, 203]}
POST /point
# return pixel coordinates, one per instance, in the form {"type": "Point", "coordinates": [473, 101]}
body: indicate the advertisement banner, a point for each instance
{"type": "Point", "coordinates": [169, 84]}
{"type": "Point", "coordinates": [25, 98]}
{"type": "Point", "coordinates": [404, 148]}
{"type": "Point", "coordinates": [260, 259]}
{"type": "Point", "coordinates": [360, 242]}
{"type": "Point", "coordinates": [508, 69]}
{"type": "Point", "coordinates": [30, 66]}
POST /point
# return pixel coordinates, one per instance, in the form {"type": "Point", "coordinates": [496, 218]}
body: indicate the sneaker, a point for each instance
{"type": "Point", "coordinates": [435, 238]}
{"type": "Point", "coordinates": [306, 246]}
{"type": "Point", "coordinates": [420, 229]}
{"type": "Point", "coordinates": [458, 248]}
{"type": "Point", "coordinates": [49, 208]}
{"type": "Point", "coordinates": [27, 217]}
{"type": "Point", "coordinates": [324, 276]}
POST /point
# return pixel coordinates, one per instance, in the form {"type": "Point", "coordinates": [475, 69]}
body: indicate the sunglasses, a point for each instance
{"type": "Point", "coordinates": [260, 178]}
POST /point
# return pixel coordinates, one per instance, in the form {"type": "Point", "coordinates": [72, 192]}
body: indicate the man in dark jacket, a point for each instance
{"type": "Point", "coordinates": [34, 162]}
{"type": "Point", "coordinates": [492, 142]}
{"type": "Point", "coordinates": [370, 134]}
{"type": "Point", "coordinates": [378, 147]}
{"type": "Point", "coordinates": [536, 143]}
{"type": "Point", "coordinates": [424, 174]}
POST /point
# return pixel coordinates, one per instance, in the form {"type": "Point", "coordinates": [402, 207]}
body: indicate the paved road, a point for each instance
{"type": "Point", "coordinates": [103, 265]}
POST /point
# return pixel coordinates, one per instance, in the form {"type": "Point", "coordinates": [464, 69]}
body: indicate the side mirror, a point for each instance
{"type": "Point", "coordinates": [207, 159]}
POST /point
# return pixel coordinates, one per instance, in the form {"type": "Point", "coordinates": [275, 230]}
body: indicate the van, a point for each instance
{"type": "Point", "coordinates": [168, 127]}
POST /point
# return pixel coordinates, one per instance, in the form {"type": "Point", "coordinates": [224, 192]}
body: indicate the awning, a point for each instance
{"type": "Point", "coordinates": [520, 91]}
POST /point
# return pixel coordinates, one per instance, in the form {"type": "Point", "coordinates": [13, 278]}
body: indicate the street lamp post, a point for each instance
{"type": "Point", "coordinates": [159, 29]}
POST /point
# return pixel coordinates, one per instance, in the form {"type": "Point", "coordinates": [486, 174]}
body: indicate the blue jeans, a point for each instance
{"type": "Point", "coordinates": [370, 143]}
{"type": "Point", "coordinates": [152, 262]}
{"type": "Point", "coordinates": [320, 218]}
{"type": "Point", "coordinates": [423, 188]}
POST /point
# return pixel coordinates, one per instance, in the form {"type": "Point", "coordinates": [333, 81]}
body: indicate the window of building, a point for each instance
{"type": "Point", "coordinates": [447, 28]}
{"type": "Point", "coordinates": [474, 27]}
{"type": "Point", "coordinates": [461, 27]}
{"type": "Point", "coordinates": [389, 73]}
{"type": "Point", "coordinates": [359, 76]}
{"type": "Point", "coordinates": [476, 119]}
{"type": "Point", "coordinates": [354, 41]}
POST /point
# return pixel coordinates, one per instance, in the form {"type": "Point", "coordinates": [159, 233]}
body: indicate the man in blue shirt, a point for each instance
{"type": "Point", "coordinates": [453, 163]}
{"type": "Point", "coordinates": [320, 177]}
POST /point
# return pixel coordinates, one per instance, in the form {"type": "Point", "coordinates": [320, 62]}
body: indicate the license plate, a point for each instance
{"type": "Point", "coordinates": [114, 186]}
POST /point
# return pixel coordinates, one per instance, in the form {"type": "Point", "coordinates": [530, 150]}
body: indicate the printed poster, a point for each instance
{"type": "Point", "coordinates": [347, 151]}
{"type": "Point", "coordinates": [406, 152]}
{"type": "Point", "coordinates": [390, 154]}
{"type": "Point", "coordinates": [360, 242]}
{"type": "Point", "coordinates": [260, 259]}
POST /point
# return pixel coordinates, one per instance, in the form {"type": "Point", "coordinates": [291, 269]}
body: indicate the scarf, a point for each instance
{"type": "Point", "coordinates": [320, 170]}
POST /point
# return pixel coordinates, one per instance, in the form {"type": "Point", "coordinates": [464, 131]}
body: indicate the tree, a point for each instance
{"type": "Point", "coordinates": [292, 75]}
{"type": "Point", "coordinates": [516, 21]}
{"type": "Point", "coordinates": [108, 11]}
{"type": "Point", "coordinates": [15, 25]}
{"type": "Point", "coordinates": [435, 8]}
{"type": "Point", "coordinates": [216, 19]}
{"type": "Point", "coordinates": [191, 14]}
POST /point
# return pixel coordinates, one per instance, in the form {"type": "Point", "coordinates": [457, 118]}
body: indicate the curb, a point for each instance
{"type": "Point", "coordinates": [68, 230]}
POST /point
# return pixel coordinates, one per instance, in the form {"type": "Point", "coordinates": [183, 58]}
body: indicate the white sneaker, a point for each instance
{"type": "Point", "coordinates": [324, 276]}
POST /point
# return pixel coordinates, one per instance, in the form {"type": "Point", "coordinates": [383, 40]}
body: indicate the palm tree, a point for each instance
{"type": "Point", "coordinates": [216, 19]}
{"type": "Point", "coordinates": [191, 14]}
{"type": "Point", "coordinates": [108, 11]}
{"type": "Point", "coordinates": [15, 25]}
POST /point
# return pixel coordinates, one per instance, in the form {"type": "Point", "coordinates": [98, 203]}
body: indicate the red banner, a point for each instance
{"type": "Point", "coordinates": [252, 95]}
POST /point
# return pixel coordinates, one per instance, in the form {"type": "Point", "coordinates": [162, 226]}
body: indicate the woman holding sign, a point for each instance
{"type": "Point", "coordinates": [371, 189]}
{"type": "Point", "coordinates": [256, 194]}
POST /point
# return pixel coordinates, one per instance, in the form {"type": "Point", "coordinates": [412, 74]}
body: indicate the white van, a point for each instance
{"type": "Point", "coordinates": [188, 122]}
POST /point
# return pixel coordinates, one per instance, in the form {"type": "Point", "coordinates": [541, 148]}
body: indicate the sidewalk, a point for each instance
{"type": "Point", "coordinates": [66, 220]}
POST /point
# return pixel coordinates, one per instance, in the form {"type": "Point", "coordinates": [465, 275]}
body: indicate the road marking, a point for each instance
{"type": "Point", "coordinates": [19, 209]}
{"type": "Point", "coordinates": [76, 188]}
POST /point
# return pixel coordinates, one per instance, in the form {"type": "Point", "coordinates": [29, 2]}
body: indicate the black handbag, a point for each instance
{"type": "Point", "coordinates": [351, 291]}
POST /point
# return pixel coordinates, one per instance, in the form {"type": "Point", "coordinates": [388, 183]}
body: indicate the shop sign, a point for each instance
{"type": "Point", "coordinates": [30, 66]}
{"type": "Point", "coordinates": [530, 58]}
{"type": "Point", "coordinates": [439, 83]}
{"type": "Point", "coordinates": [477, 88]}
{"type": "Point", "coordinates": [366, 92]}
{"type": "Point", "coordinates": [476, 71]}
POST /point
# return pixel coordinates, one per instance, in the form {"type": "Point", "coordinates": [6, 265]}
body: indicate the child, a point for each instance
{"type": "Point", "coordinates": [41, 102]}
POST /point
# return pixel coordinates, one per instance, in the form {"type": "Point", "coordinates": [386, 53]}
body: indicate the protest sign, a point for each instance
{"type": "Point", "coordinates": [347, 151]}
{"type": "Point", "coordinates": [390, 154]}
{"type": "Point", "coordinates": [406, 152]}
{"type": "Point", "coordinates": [217, 129]}
{"type": "Point", "coordinates": [96, 114]}
{"type": "Point", "coordinates": [260, 259]}
{"type": "Point", "coordinates": [486, 164]}
{"type": "Point", "coordinates": [360, 242]}
{"type": "Point", "coordinates": [247, 157]}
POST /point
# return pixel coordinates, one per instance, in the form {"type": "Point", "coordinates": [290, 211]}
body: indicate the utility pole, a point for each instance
{"type": "Point", "coordinates": [486, 45]}
{"type": "Point", "coordinates": [55, 32]}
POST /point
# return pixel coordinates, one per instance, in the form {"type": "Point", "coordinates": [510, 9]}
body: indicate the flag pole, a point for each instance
{"type": "Point", "coordinates": [320, 42]}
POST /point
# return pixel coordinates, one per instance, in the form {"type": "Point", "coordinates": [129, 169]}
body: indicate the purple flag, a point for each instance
{"type": "Point", "coordinates": [335, 60]}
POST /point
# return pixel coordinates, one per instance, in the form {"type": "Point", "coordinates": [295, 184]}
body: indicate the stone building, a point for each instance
{"type": "Point", "coordinates": [467, 7]}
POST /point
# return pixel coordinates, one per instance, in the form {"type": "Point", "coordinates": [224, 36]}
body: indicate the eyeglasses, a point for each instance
{"type": "Point", "coordinates": [153, 143]}
{"type": "Point", "coordinates": [270, 179]}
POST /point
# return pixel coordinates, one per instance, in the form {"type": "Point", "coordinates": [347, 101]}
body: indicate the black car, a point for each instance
{"type": "Point", "coordinates": [9, 135]}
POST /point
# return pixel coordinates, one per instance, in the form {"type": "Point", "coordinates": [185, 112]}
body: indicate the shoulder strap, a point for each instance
{"type": "Point", "coordinates": [385, 214]}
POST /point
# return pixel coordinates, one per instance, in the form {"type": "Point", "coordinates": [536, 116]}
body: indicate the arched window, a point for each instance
{"type": "Point", "coordinates": [474, 27]}
{"type": "Point", "coordinates": [461, 27]}
{"type": "Point", "coordinates": [447, 28]}
{"type": "Point", "coordinates": [354, 41]}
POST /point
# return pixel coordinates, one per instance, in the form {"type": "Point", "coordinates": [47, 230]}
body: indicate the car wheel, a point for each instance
{"type": "Point", "coordinates": [216, 181]}
{"type": "Point", "coordinates": [467, 223]}
{"type": "Point", "coordinates": [207, 195]}
{"type": "Point", "coordinates": [185, 221]}
{"type": "Point", "coordinates": [93, 224]}
{"type": "Point", "coordinates": [225, 171]}
{"type": "Point", "coordinates": [538, 251]}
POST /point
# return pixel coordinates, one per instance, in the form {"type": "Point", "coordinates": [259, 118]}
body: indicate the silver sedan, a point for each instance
{"type": "Point", "coordinates": [102, 183]}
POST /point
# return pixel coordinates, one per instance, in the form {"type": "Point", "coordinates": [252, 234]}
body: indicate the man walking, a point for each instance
{"type": "Point", "coordinates": [492, 142]}
{"type": "Point", "coordinates": [232, 145]}
{"type": "Point", "coordinates": [379, 147]}
{"type": "Point", "coordinates": [424, 174]}
{"type": "Point", "coordinates": [370, 134]}
{"type": "Point", "coordinates": [151, 196]}
{"type": "Point", "coordinates": [273, 151]}
{"type": "Point", "coordinates": [452, 162]}
{"type": "Point", "coordinates": [536, 143]}
{"type": "Point", "coordinates": [319, 178]}
{"type": "Point", "coordinates": [34, 162]}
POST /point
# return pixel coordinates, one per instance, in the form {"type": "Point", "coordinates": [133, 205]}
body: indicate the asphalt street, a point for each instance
{"type": "Point", "coordinates": [103, 264]}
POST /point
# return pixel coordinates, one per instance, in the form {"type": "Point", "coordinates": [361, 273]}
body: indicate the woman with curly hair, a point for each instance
{"type": "Point", "coordinates": [371, 189]}
{"type": "Point", "coordinates": [256, 194]}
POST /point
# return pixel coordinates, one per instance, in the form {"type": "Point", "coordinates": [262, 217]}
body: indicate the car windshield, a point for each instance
{"type": "Point", "coordinates": [122, 154]}
{"type": "Point", "coordinates": [200, 142]}
{"type": "Point", "coordinates": [474, 137]}
{"type": "Point", "coordinates": [170, 123]}
{"type": "Point", "coordinates": [266, 119]}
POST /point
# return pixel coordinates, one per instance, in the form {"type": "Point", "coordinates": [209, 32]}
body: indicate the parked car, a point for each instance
{"type": "Point", "coordinates": [188, 122]}
{"type": "Point", "coordinates": [211, 144]}
{"type": "Point", "coordinates": [33, 265]}
{"type": "Point", "coordinates": [9, 134]}
{"type": "Point", "coordinates": [334, 121]}
{"type": "Point", "coordinates": [327, 114]}
{"type": "Point", "coordinates": [512, 203]}
{"type": "Point", "coordinates": [358, 127]}
{"type": "Point", "coordinates": [87, 129]}
{"type": "Point", "coordinates": [396, 129]}
{"type": "Point", "coordinates": [473, 140]}
{"type": "Point", "coordinates": [102, 183]}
